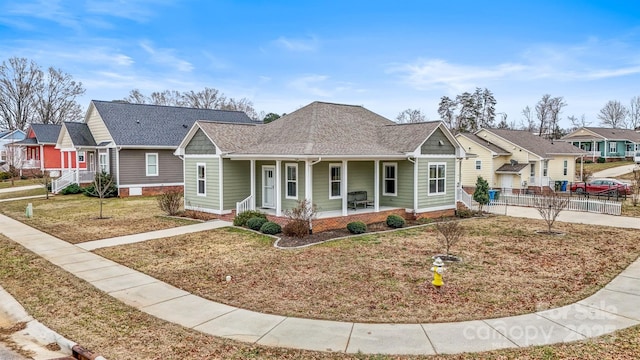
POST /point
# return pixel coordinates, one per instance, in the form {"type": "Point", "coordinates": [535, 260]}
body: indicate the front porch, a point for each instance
{"type": "Point", "coordinates": [69, 177]}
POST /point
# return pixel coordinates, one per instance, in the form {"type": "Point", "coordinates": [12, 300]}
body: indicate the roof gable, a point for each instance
{"type": "Point", "coordinates": [141, 125]}
{"type": "Point", "coordinates": [46, 133]}
{"type": "Point", "coordinates": [604, 134]}
{"type": "Point", "coordinates": [532, 143]}
{"type": "Point", "coordinates": [489, 146]}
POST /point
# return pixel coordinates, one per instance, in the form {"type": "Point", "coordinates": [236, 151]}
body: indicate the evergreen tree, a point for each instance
{"type": "Point", "coordinates": [481, 194]}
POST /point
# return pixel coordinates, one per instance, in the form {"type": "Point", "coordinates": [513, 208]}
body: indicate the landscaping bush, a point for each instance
{"type": "Point", "coordinates": [170, 202]}
{"type": "Point", "coordinates": [242, 218]}
{"type": "Point", "coordinates": [255, 223]}
{"type": "Point", "coordinates": [395, 221]}
{"type": "Point", "coordinates": [71, 189]}
{"type": "Point", "coordinates": [602, 160]}
{"type": "Point", "coordinates": [298, 228]}
{"type": "Point", "coordinates": [270, 228]}
{"type": "Point", "coordinates": [4, 175]}
{"type": "Point", "coordinates": [357, 227]}
{"type": "Point", "coordinates": [464, 213]}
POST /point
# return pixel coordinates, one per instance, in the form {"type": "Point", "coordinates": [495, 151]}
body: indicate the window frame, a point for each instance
{"type": "Point", "coordinates": [478, 164]}
{"type": "Point", "coordinates": [393, 165]}
{"type": "Point", "coordinates": [545, 168]}
{"type": "Point", "coordinates": [613, 147]}
{"type": "Point", "coordinates": [146, 164]}
{"type": "Point", "coordinates": [81, 156]}
{"type": "Point", "coordinates": [339, 181]}
{"type": "Point", "coordinates": [202, 179]}
{"type": "Point", "coordinates": [565, 168]}
{"type": "Point", "coordinates": [438, 191]}
{"type": "Point", "coordinates": [103, 165]}
{"type": "Point", "coordinates": [288, 181]}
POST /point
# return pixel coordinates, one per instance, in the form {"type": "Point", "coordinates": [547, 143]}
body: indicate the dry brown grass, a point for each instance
{"type": "Point", "coordinates": [595, 166]}
{"type": "Point", "coordinates": [21, 193]}
{"type": "Point", "coordinates": [74, 218]}
{"type": "Point", "coordinates": [508, 269]}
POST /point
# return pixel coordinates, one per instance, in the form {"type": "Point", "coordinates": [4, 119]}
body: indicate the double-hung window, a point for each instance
{"type": "Point", "coordinates": [201, 179]}
{"type": "Point", "coordinates": [292, 181]}
{"type": "Point", "coordinates": [613, 147]}
{"type": "Point", "coordinates": [335, 181]}
{"type": "Point", "coordinates": [152, 164]}
{"type": "Point", "coordinates": [478, 164]}
{"type": "Point", "coordinates": [565, 168]}
{"type": "Point", "coordinates": [390, 181]}
{"type": "Point", "coordinates": [545, 168]}
{"type": "Point", "coordinates": [103, 162]}
{"type": "Point", "coordinates": [437, 178]}
{"type": "Point", "coordinates": [80, 156]}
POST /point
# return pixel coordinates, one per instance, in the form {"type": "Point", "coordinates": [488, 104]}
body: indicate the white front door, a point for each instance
{"type": "Point", "coordinates": [92, 162]}
{"type": "Point", "coordinates": [507, 181]}
{"type": "Point", "coordinates": [268, 186]}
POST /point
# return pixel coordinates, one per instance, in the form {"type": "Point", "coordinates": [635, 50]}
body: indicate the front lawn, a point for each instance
{"type": "Point", "coordinates": [507, 269]}
{"type": "Point", "coordinates": [74, 218]}
{"type": "Point", "coordinates": [22, 193]}
{"type": "Point", "coordinates": [19, 182]}
{"type": "Point", "coordinates": [595, 166]}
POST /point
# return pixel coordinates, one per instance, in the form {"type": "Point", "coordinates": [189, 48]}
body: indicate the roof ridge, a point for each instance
{"type": "Point", "coordinates": [163, 106]}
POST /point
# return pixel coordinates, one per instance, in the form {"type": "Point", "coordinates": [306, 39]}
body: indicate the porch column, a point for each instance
{"type": "Point", "coordinates": [308, 187]}
{"type": "Point", "coordinates": [343, 188]}
{"type": "Point", "coordinates": [278, 189]}
{"type": "Point", "coordinates": [220, 183]}
{"type": "Point", "coordinates": [252, 174]}
{"type": "Point", "coordinates": [41, 157]}
{"type": "Point", "coordinates": [376, 185]}
{"type": "Point", "coordinates": [61, 162]}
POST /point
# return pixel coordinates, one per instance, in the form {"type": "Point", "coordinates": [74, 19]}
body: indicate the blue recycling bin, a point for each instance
{"type": "Point", "coordinates": [564, 185]}
{"type": "Point", "coordinates": [492, 195]}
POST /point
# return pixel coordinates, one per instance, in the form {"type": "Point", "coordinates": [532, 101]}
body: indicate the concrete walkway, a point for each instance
{"type": "Point", "coordinates": [610, 309]}
{"type": "Point", "coordinates": [614, 171]}
{"type": "Point", "coordinates": [20, 188]}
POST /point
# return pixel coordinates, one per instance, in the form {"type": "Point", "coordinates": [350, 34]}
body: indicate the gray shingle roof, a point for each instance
{"type": "Point", "coordinates": [609, 134]}
{"type": "Point", "coordinates": [536, 144]}
{"type": "Point", "coordinates": [322, 129]}
{"type": "Point", "coordinates": [46, 133]}
{"type": "Point", "coordinates": [511, 168]}
{"type": "Point", "coordinates": [483, 142]}
{"type": "Point", "coordinates": [80, 134]}
{"type": "Point", "coordinates": [153, 125]}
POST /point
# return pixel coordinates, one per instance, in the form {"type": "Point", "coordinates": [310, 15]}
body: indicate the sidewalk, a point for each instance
{"type": "Point", "coordinates": [614, 171]}
{"type": "Point", "coordinates": [20, 188]}
{"type": "Point", "coordinates": [612, 308]}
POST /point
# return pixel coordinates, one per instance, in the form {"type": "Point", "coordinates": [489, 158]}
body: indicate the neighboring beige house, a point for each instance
{"type": "Point", "coordinates": [515, 160]}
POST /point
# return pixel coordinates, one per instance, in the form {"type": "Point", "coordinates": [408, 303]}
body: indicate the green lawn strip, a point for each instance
{"type": "Point", "coordinates": [22, 193]}
{"type": "Point", "coordinates": [7, 183]}
{"type": "Point", "coordinates": [595, 166]}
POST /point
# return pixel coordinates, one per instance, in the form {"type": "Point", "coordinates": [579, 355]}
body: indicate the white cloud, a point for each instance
{"type": "Point", "coordinates": [136, 10]}
{"type": "Point", "coordinates": [50, 10]}
{"type": "Point", "coordinates": [310, 84]}
{"type": "Point", "coordinates": [166, 57]}
{"type": "Point", "coordinates": [297, 45]}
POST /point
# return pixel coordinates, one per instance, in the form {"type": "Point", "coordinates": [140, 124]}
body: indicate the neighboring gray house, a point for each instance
{"type": "Point", "coordinates": [134, 143]}
{"type": "Point", "coordinates": [350, 162]}
{"type": "Point", "coordinates": [8, 137]}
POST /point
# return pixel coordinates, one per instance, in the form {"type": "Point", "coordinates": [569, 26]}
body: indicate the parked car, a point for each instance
{"type": "Point", "coordinates": [602, 186]}
{"type": "Point", "coordinates": [636, 157]}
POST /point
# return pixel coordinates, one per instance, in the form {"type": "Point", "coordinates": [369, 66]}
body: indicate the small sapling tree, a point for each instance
{"type": "Point", "coordinates": [451, 232]}
{"type": "Point", "coordinates": [481, 194]}
{"type": "Point", "coordinates": [101, 188]}
{"type": "Point", "coordinates": [549, 207]}
{"type": "Point", "coordinates": [300, 219]}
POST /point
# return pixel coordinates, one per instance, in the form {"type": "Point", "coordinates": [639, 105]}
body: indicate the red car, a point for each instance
{"type": "Point", "coordinates": [603, 187]}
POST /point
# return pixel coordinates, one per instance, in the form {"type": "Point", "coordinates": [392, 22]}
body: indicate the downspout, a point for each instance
{"type": "Point", "coordinates": [118, 168]}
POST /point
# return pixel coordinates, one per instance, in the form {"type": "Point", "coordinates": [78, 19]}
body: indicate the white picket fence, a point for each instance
{"type": "Point", "coordinates": [575, 203]}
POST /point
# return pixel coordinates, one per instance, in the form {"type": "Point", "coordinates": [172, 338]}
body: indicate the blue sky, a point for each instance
{"type": "Point", "coordinates": [385, 55]}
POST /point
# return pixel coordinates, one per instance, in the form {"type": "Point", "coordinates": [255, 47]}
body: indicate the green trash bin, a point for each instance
{"type": "Point", "coordinates": [497, 195]}
{"type": "Point", "coordinates": [558, 185]}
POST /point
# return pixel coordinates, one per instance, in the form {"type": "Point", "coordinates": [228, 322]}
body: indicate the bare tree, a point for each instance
{"type": "Point", "coordinates": [57, 102]}
{"type": "Point", "coordinates": [136, 97]}
{"type": "Point", "coordinates": [555, 109]}
{"type": "Point", "coordinates": [542, 114]}
{"type": "Point", "coordinates": [101, 188]}
{"type": "Point", "coordinates": [243, 104]}
{"type": "Point", "coordinates": [410, 116]}
{"type": "Point", "coordinates": [635, 186]}
{"type": "Point", "coordinates": [451, 231]}
{"type": "Point", "coordinates": [208, 98]}
{"type": "Point", "coordinates": [633, 113]}
{"type": "Point", "coordinates": [167, 98]}
{"type": "Point", "coordinates": [549, 207]}
{"type": "Point", "coordinates": [527, 123]}
{"type": "Point", "coordinates": [613, 115]}
{"type": "Point", "coordinates": [14, 158]}
{"type": "Point", "coordinates": [578, 123]}
{"type": "Point", "coordinates": [20, 84]}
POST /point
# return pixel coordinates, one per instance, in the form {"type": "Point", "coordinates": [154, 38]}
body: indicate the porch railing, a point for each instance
{"type": "Point", "coordinates": [244, 205]}
{"type": "Point", "coordinates": [69, 177]}
{"type": "Point", "coordinates": [30, 164]}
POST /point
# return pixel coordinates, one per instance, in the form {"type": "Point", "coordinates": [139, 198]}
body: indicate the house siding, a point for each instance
{"type": "Point", "coordinates": [212, 199]}
{"type": "Point", "coordinates": [97, 127]}
{"type": "Point", "coordinates": [236, 182]}
{"type": "Point", "coordinates": [404, 197]}
{"type": "Point", "coordinates": [200, 145]}
{"type": "Point", "coordinates": [448, 198]}
{"type": "Point", "coordinates": [133, 167]}
{"type": "Point", "coordinates": [432, 145]}
{"type": "Point", "coordinates": [469, 174]}
{"type": "Point", "coordinates": [360, 177]}
{"type": "Point", "coordinates": [321, 187]}
{"type": "Point", "coordinates": [556, 168]}
{"type": "Point", "coordinates": [291, 203]}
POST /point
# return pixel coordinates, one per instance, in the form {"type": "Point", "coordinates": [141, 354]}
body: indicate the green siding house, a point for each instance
{"type": "Point", "coordinates": [329, 154]}
{"type": "Point", "coordinates": [607, 143]}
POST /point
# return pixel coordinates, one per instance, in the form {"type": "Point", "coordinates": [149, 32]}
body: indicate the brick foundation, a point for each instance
{"type": "Point", "coordinates": [150, 190]}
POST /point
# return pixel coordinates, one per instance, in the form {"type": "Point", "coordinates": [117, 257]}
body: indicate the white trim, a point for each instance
{"type": "Point", "coordinates": [435, 208]}
{"type": "Point", "coordinates": [263, 183]}
{"type": "Point", "coordinates": [205, 210]}
{"type": "Point", "coordinates": [308, 177]}
{"type": "Point", "coordinates": [339, 166]}
{"type": "Point", "coordinates": [220, 183]}
{"type": "Point", "coordinates": [343, 188]}
{"type": "Point", "coordinates": [201, 156]}
{"type": "Point", "coordinates": [395, 178]}
{"type": "Point", "coordinates": [278, 192]}
{"type": "Point", "coordinates": [376, 185]}
{"type": "Point", "coordinates": [84, 158]}
{"type": "Point", "coordinates": [100, 153]}
{"type": "Point", "coordinates": [444, 191]}
{"type": "Point", "coordinates": [204, 166]}
{"type": "Point", "coordinates": [287, 181]}
{"type": "Point", "coordinates": [252, 182]}
{"type": "Point", "coordinates": [439, 156]}
{"type": "Point", "coordinates": [151, 185]}
{"type": "Point", "coordinates": [478, 165]}
{"type": "Point", "coordinates": [146, 164]}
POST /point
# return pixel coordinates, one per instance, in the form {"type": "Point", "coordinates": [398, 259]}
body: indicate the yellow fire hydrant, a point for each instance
{"type": "Point", "coordinates": [438, 270]}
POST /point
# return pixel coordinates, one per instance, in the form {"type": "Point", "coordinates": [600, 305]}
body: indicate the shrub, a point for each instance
{"type": "Point", "coordinates": [602, 160]}
{"type": "Point", "coordinates": [255, 223]}
{"type": "Point", "coordinates": [395, 221]}
{"type": "Point", "coordinates": [357, 227]}
{"type": "Point", "coordinates": [298, 228]}
{"type": "Point", "coordinates": [242, 218]}
{"type": "Point", "coordinates": [71, 189]}
{"type": "Point", "coordinates": [170, 202]}
{"type": "Point", "coordinates": [464, 213]}
{"type": "Point", "coordinates": [270, 228]}
{"type": "Point", "coordinates": [4, 175]}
